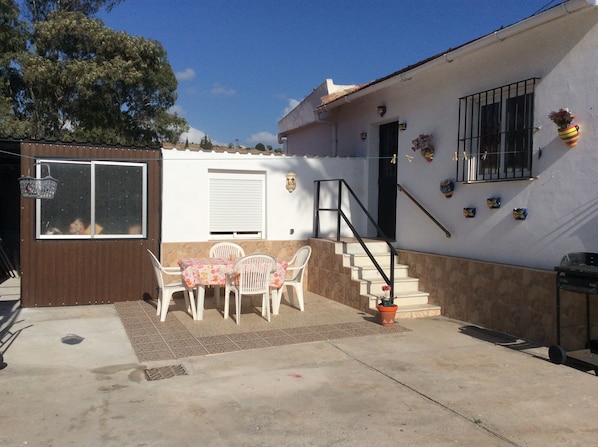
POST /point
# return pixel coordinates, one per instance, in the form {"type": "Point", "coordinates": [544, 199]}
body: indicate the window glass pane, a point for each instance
{"type": "Point", "coordinates": [69, 212]}
{"type": "Point", "coordinates": [119, 198]}
{"type": "Point", "coordinates": [94, 199]}
{"type": "Point", "coordinates": [490, 139]}
{"type": "Point", "coordinates": [519, 127]}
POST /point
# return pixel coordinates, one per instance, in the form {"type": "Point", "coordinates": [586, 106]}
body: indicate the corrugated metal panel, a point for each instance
{"type": "Point", "coordinates": [100, 271]}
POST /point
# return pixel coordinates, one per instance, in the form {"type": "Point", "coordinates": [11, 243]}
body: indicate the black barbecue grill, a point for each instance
{"type": "Point", "coordinates": [577, 272]}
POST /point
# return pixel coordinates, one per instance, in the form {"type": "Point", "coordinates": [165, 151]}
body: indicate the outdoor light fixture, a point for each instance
{"type": "Point", "coordinates": [291, 181]}
{"type": "Point", "coordinates": [363, 135]}
{"type": "Point", "coordinates": [402, 126]}
{"type": "Point", "coordinates": [381, 110]}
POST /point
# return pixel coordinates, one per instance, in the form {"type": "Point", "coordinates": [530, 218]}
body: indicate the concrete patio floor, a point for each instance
{"type": "Point", "coordinates": [73, 378]}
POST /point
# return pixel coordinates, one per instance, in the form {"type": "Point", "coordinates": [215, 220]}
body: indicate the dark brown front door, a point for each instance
{"type": "Point", "coordinates": [387, 179]}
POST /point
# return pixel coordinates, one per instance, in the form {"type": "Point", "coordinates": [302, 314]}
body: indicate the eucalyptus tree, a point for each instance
{"type": "Point", "coordinates": [84, 81]}
{"type": "Point", "coordinates": [12, 44]}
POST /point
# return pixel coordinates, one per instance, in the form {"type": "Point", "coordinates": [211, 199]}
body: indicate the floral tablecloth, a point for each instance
{"type": "Point", "coordinates": [212, 271]}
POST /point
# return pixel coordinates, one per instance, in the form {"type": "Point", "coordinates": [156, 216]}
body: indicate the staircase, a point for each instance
{"type": "Point", "coordinates": [412, 302]}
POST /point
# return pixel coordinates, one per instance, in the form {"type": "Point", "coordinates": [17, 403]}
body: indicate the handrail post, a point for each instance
{"type": "Point", "coordinates": [338, 214]}
{"type": "Point", "coordinates": [388, 279]}
{"type": "Point", "coordinates": [317, 210]}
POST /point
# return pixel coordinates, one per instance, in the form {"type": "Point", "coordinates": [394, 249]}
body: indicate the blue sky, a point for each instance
{"type": "Point", "coordinates": [242, 64]}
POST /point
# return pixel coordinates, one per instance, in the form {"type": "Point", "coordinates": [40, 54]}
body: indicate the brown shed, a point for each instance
{"type": "Point", "coordinates": [89, 244]}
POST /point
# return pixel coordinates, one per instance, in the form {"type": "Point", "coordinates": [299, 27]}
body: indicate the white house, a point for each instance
{"type": "Point", "coordinates": [551, 59]}
{"type": "Point", "coordinates": [486, 106]}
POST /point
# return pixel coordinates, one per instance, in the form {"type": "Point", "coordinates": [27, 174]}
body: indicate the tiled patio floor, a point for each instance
{"type": "Point", "coordinates": [180, 336]}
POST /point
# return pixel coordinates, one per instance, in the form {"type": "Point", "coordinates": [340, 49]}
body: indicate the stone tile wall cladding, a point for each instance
{"type": "Point", "coordinates": [173, 251]}
{"type": "Point", "coordinates": [516, 300]}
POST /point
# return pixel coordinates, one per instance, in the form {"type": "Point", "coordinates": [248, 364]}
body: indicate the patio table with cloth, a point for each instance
{"type": "Point", "coordinates": [198, 273]}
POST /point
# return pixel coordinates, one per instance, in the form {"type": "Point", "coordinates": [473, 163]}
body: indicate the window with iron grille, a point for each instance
{"type": "Point", "coordinates": [495, 137]}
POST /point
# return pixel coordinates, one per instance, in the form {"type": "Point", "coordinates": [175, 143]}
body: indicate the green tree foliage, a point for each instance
{"type": "Point", "coordinates": [83, 81]}
{"type": "Point", "coordinates": [12, 44]}
{"type": "Point", "coordinates": [260, 147]}
{"type": "Point", "coordinates": [40, 10]}
{"type": "Point", "coordinates": [206, 143]}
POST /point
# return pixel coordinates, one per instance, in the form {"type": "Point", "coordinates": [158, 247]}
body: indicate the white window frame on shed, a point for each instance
{"type": "Point", "coordinates": [237, 204]}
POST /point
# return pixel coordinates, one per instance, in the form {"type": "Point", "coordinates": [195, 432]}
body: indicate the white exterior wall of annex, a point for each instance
{"type": "Point", "coordinates": [562, 200]}
{"type": "Point", "coordinates": [185, 192]}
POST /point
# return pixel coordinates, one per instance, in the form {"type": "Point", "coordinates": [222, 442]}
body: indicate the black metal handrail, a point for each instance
{"type": "Point", "coordinates": [421, 207]}
{"type": "Point", "coordinates": [340, 214]}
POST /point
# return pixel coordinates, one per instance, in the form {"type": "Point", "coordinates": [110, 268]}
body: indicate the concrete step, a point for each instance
{"type": "Point", "coordinates": [375, 247]}
{"type": "Point", "coordinates": [415, 298]}
{"type": "Point", "coordinates": [401, 285]}
{"type": "Point", "coordinates": [371, 273]}
{"type": "Point", "coordinates": [363, 260]}
{"type": "Point", "coordinates": [418, 311]}
{"type": "Point", "coordinates": [411, 302]}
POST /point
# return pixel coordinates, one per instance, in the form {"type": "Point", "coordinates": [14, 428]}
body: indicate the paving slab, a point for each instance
{"type": "Point", "coordinates": [442, 383]}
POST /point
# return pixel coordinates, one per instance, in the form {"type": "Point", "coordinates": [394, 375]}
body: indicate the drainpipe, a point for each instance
{"type": "Point", "coordinates": [333, 127]}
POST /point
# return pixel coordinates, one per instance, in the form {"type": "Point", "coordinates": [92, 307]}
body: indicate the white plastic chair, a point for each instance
{"type": "Point", "coordinates": [168, 288]}
{"type": "Point", "coordinates": [226, 250]}
{"type": "Point", "coordinates": [296, 268]}
{"type": "Point", "coordinates": [250, 276]}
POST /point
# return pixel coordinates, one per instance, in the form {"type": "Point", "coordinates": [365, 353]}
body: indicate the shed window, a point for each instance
{"type": "Point", "coordinates": [496, 133]}
{"type": "Point", "coordinates": [95, 199]}
{"type": "Point", "coordinates": [237, 205]}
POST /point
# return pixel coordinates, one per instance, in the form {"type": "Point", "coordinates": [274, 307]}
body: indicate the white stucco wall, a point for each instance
{"type": "Point", "coordinates": [562, 199]}
{"type": "Point", "coordinates": [185, 214]}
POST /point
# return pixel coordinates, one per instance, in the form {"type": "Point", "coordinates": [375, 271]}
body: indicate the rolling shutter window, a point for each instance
{"type": "Point", "coordinates": [237, 204]}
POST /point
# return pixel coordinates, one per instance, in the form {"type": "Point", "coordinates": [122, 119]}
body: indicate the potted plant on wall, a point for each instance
{"type": "Point", "coordinates": [387, 310]}
{"type": "Point", "coordinates": [568, 131]}
{"type": "Point", "coordinates": [423, 144]}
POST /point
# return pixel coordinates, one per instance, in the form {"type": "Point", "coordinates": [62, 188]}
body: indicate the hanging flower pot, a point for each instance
{"type": "Point", "coordinates": [570, 134]}
{"type": "Point", "coordinates": [469, 212]}
{"type": "Point", "coordinates": [447, 187]}
{"type": "Point", "coordinates": [493, 202]}
{"type": "Point", "coordinates": [520, 213]}
{"type": "Point", "coordinates": [568, 131]}
{"type": "Point", "coordinates": [428, 153]}
{"type": "Point", "coordinates": [423, 143]}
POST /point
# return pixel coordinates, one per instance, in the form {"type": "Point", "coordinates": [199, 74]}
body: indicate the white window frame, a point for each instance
{"type": "Point", "coordinates": [237, 204]}
{"type": "Point", "coordinates": [40, 230]}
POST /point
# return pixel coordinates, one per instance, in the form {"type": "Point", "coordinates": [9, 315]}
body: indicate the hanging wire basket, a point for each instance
{"type": "Point", "coordinates": [38, 188]}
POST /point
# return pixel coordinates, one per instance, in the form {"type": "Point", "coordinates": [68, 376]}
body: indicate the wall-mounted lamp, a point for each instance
{"type": "Point", "coordinates": [363, 135]}
{"type": "Point", "coordinates": [402, 126]}
{"type": "Point", "coordinates": [381, 110]}
{"type": "Point", "coordinates": [291, 181]}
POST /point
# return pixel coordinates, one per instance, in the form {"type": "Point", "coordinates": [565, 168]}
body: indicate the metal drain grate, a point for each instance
{"type": "Point", "coordinates": [165, 372]}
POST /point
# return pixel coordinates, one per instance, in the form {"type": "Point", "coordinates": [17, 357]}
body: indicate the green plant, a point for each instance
{"type": "Point", "coordinates": [423, 141]}
{"type": "Point", "coordinates": [386, 300]}
{"type": "Point", "coordinates": [561, 117]}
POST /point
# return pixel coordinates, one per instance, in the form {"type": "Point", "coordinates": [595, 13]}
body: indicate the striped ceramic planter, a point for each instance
{"type": "Point", "coordinates": [570, 134]}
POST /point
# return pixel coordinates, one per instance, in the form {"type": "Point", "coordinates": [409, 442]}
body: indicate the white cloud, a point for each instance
{"type": "Point", "coordinates": [185, 75]}
{"type": "Point", "coordinates": [266, 138]}
{"type": "Point", "coordinates": [292, 104]}
{"type": "Point", "coordinates": [219, 90]}
{"type": "Point", "coordinates": [176, 109]}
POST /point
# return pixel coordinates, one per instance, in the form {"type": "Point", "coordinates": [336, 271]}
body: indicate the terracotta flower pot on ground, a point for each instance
{"type": "Point", "coordinates": [386, 314]}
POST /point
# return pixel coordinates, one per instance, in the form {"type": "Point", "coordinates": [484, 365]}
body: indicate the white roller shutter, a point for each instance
{"type": "Point", "coordinates": [236, 204]}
